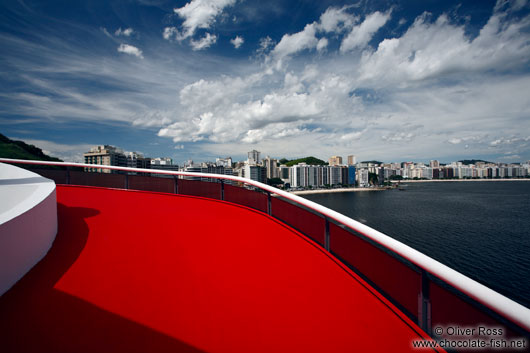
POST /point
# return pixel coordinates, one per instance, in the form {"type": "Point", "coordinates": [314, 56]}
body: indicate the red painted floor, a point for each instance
{"type": "Point", "coordinates": [143, 272]}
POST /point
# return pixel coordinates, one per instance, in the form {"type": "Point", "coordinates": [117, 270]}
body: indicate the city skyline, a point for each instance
{"type": "Point", "coordinates": [386, 80]}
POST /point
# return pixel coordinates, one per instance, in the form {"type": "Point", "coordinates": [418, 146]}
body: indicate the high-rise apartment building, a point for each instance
{"type": "Point", "coordinates": [105, 155]}
{"type": "Point", "coordinates": [224, 162]}
{"type": "Point", "coordinates": [272, 167]}
{"type": "Point", "coordinates": [434, 164]}
{"type": "Point", "coordinates": [363, 178]}
{"type": "Point", "coordinates": [253, 157]}
{"type": "Point", "coordinates": [161, 161]}
{"type": "Point", "coordinates": [335, 160]}
{"type": "Point", "coordinates": [255, 172]}
{"type": "Point", "coordinates": [137, 160]}
{"type": "Point", "coordinates": [352, 160]}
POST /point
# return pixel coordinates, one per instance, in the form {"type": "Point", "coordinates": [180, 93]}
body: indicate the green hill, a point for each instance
{"type": "Point", "coordinates": [472, 161]}
{"type": "Point", "coordinates": [307, 160]}
{"type": "Point", "coordinates": [21, 150]}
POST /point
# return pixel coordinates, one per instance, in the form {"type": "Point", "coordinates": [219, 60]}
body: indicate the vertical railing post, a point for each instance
{"type": "Point", "coordinates": [269, 204]}
{"type": "Point", "coordinates": [424, 304]}
{"type": "Point", "coordinates": [326, 234]}
{"type": "Point", "coordinates": [175, 178]}
{"type": "Point", "coordinates": [222, 190]}
{"type": "Point", "coordinates": [68, 175]}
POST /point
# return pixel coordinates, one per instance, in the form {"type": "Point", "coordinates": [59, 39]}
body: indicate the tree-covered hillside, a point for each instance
{"type": "Point", "coordinates": [307, 160]}
{"type": "Point", "coordinates": [21, 150]}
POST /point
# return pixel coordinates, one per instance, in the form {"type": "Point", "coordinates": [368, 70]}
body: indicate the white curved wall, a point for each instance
{"type": "Point", "coordinates": [28, 222]}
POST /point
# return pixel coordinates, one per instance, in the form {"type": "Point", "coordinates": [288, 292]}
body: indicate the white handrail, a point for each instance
{"type": "Point", "coordinates": [497, 302]}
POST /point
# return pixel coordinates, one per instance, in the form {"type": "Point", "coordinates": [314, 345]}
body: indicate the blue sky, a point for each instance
{"type": "Point", "coordinates": [200, 79]}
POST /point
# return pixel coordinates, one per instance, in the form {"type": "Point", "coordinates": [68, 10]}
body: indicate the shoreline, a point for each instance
{"type": "Point", "coordinates": [330, 191]}
{"type": "Point", "coordinates": [326, 191]}
{"type": "Point", "coordinates": [454, 180]}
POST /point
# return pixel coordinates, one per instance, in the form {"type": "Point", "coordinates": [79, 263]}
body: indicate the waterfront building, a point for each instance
{"type": "Point", "coordinates": [381, 175]}
{"type": "Point", "coordinates": [224, 162]}
{"type": "Point", "coordinates": [351, 175]}
{"type": "Point", "coordinates": [253, 157]}
{"type": "Point", "coordinates": [137, 160]}
{"type": "Point", "coordinates": [427, 173]}
{"type": "Point", "coordinates": [335, 175]}
{"type": "Point", "coordinates": [285, 174]}
{"type": "Point", "coordinates": [163, 164]}
{"type": "Point", "coordinates": [255, 172]}
{"type": "Point", "coordinates": [271, 165]}
{"type": "Point", "coordinates": [362, 178]}
{"type": "Point", "coordinates": [105, 155]}
{"type": "Point", "coordinates": [158, 161]}
{"type": "Point", "coordinates": [388, 172]}
{"type": "Point", "coordinates": [335, 160]}
{"type": "Point", "coordinates": [325, 176]}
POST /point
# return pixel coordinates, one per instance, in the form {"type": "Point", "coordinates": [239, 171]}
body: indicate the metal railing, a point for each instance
{"type": "Point", "coordinates": [429, 292]}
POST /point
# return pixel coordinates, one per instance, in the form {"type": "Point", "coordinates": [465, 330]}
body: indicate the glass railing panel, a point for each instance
{"type": "Point", "coordinates": [107, 180]}
{"type": "Point", "coordinates": [249, 198]}
{"type": "Point", "coordinates": [398, 281]}
{"type": "Point", "coordinates": [310, 224]}
{"type": "Point", "coordinates": [450, 311]}
{"type": "Point", "coordinates": [211, 189]}
{"type": "Point", "coordinates": [151, 183]}
{"type": "Point", "coordinates": [58, 176]}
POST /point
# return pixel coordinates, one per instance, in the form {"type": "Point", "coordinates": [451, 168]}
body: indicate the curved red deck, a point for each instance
{"type": "Point", "coordinates": [137, 271]}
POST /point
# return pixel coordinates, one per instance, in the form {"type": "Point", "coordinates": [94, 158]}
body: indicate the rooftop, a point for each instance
{"type": "Point", "coordinates": [140, 271]}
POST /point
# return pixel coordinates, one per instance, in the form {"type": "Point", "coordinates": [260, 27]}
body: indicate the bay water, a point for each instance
{"type": "Point", "coordinates": [478, 228]}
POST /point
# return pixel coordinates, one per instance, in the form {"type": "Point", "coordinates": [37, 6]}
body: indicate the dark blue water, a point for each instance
{"type": "Point", "coordinates": [481, 229]}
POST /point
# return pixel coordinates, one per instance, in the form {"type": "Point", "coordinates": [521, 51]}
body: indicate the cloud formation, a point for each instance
{"type": "Point", "coordinates": [362, 34]}
{"type": "Point", "coordinates": [237, 41]}
{"type": "Point", "coordinates": [200, 14]}
{"type": "Point", "coordinates": [204, 42]}
{"type": "Point", "coordinates": [130, 50]}
{"type": "Point", "coordinates": [430, 88]}
{"type": "Point", "coordinates": [125, 32]}
{"type": "Point", "coordinates": [407, 71]}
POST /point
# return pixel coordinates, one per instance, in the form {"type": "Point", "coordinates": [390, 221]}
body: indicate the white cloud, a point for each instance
{"type": "Point", "coordinates": [352, 136]}
{"type": "Point", "coordinates": [130, 50]}
{"type": "Point", "coordinates": [126, 32]}
{"type": "Point", "coordinates": [322, 44]}
{"type": "Point", "coordinates": [429, 49]}
{"type": "Point", "coordinates": [336, 19]}
{"type": "Point", "coordinates": [217, 111]}
{"type": "Point", "coordinates": [509, 141]}
{"type": "Point", "coordinates": [362, 34]}
{"type": "Point", "coordinates": [467, 139]}
{"type": "Point", "coordinates": [200, 14]}
{"type": "Point", "coordinates": [205, 42]}
{"type": "Point", "coordinates": [237, 41]}
{"type": "Point", "coordinates": [170, 32]}
{"type": "Point", "coordinates": [398, 136]}
{"type": "Point", "coordinates": [293, 43]}
{"type": "Point", "coordinates": [264, 46]}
